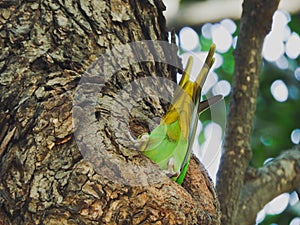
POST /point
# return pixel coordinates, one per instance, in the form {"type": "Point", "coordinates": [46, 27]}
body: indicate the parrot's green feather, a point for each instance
{"type": "Point", "coordinates": [181, 176]}
{"type": "Point", "coordinates": [160, 148]}
{"type": "Point", "coordinates": [170, 144]}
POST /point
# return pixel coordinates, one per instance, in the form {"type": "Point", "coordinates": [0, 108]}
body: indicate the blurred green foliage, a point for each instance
{"type": "Point", "coordinates": [274, 121]}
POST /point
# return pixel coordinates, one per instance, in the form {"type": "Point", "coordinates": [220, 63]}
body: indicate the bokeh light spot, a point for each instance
{"type": "Point", "coordinates": [279, 91]}
{"type": "Point", "coordinates": [293, 46]}
{"type": "Point", "coordinates": [282, 63]}
{"type": "Point", "coordinates": [210, 149]}
{"type": "Point", "coordinates": [218, 61]}
{"type": "Point", "coordinates": [297, 73]}
{"type": "Point", "coordinates": [229, 24]}
{"type": "Point", "coordinates": [188, 39]}
{"type": "Point", "coordinates": [280, 19]}
{"type": "Point", "coordinates": [293, 198]}
{"type": "Point", "coordinates": [222, 38]}
{"type": "Point", "coordinates": [295, 221]}
{"type": "Point", "coordinates": [223, 87]}
{"type": "Point", "coordinates": [295, 136]}
{"type": "Point", "coordinates": [270, 52]}
{"type": "Point", "coordinates": [206, 30]}
{"type": "Point", "coordinates": [211, 80]}
{"type": "Point", "coordinates": [278, 204]}
{"type": "Point", "coordinates": [266, 140]}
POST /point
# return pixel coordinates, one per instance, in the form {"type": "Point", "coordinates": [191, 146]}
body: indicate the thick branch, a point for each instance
{"type": "Point", "coordinates": [237, 152]}
{"type": "Point", "coordinates": [278, 176]}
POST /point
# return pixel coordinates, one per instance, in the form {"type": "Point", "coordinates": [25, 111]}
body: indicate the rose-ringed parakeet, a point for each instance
{"type": "Point", "coordinates": [170, 143]}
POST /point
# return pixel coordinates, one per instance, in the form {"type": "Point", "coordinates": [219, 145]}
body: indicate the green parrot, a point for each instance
{"type": "Point", "coordinates": [170, 143]}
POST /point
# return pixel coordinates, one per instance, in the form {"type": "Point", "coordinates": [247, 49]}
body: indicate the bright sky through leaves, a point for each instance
{"type": "Point", "coordinates": [280, 40]}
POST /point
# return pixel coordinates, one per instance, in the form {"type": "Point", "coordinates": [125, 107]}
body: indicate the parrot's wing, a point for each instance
{"type": "Point", "coordinates": [199, 107]}
{"type": "Point", "coordinates": [202, 106]}
{"type": "Point", "coordinates": [191, 138]}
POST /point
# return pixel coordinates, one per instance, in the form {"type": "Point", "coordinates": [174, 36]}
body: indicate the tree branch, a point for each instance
{"type": "Point", "coordinates": [276, 177]}
{"type": "Point", "coordinates": [237, 151]}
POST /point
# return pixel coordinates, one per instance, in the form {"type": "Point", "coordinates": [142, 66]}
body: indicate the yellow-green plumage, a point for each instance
{"type": "Point", "coordinates": [170, 144]}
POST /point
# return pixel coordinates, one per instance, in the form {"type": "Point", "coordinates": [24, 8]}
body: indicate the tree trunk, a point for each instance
{"type": "Point", "coordinates": [65, 69]}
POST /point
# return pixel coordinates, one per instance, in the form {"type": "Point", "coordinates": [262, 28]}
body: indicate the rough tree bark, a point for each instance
{"type": "Point", "coordinates": [46, 47]}
{"type": "Point", "coordinates": [243, 190]}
